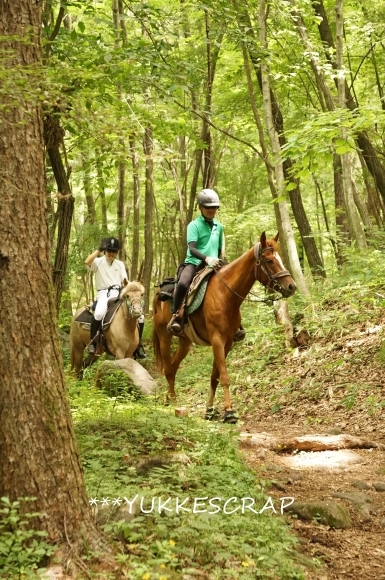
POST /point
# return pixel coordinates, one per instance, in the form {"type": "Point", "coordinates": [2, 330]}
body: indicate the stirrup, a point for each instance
{"type": "Point", "coordinates": [175, 326]}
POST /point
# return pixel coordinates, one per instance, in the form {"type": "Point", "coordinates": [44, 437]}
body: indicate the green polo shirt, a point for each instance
{"type": "Point", "coordinates": [209, 240]}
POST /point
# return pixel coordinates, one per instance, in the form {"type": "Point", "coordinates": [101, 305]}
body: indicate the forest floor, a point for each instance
{"type": "Point", "coordinates": [330, 388]}
{"type": "Point", "coordinates": [334, 386]}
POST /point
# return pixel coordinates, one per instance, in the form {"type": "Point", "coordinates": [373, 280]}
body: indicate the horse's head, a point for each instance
{"type": "Point", "coordinates": [270, 270]}
{"type": "Point", "coordinates": [132, 294]}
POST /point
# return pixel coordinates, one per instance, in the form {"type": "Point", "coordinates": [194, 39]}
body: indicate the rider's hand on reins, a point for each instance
{"type": "Point", "coordinates": [212, 262]}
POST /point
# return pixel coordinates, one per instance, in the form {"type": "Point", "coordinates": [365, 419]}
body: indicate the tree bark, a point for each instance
{"type": "Point", "coordinates": [38, 452]}
{"type": "Point", "coordinates": [88, 191]}
{"type": "Point", "coordinates": [149, 194]}
{"type": "Point", "coordinates": [371, 159]}
{"type": "Point", "coordinates": [53, 135]}
{"type": "Point", "coordinates": [136, 212]}
{"type": "Point", "coordinates": [312, 254]}
{"type": "Point", "coordinates": [355, 227]}
{"type": "Point", "coordinates": [279, 172]}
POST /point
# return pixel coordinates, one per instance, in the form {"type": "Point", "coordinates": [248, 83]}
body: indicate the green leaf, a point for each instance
{"type": "Point", "coordinates": [343, 149]}
{"type": "Point", "coordinates": [81, 26]}
{"type": "Point", "coordinates": [74, 35]}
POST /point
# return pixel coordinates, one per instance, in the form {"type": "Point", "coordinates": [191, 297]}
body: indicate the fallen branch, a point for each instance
{"type": "Point", "coordinates": [308, 442]}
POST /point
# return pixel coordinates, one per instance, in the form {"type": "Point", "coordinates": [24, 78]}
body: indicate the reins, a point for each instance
{"type": "Point", "coordinates": [258, 252]}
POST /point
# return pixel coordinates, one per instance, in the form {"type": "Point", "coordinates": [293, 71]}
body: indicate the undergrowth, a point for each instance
{"type": "Point", "coordinates": [138, 457]}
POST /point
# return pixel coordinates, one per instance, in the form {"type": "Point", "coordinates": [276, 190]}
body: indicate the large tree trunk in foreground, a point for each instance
{"type": "Point", "coordinates": [38, 453]}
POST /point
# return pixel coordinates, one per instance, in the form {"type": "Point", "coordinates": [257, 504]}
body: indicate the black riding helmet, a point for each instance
{"type": "Point", "coordinates": [112, 244]}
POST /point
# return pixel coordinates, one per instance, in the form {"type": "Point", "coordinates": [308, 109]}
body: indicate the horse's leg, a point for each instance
{"type": "Point", "coordinates": [165, 339]}
{"type": "Point", "coordinates": [77, 346]}
{"type": "Point", "coordinates": [181, 352]}
{"type": "Point", "coordinates": [221, 350]}
{"type": "Point", "coordinates": [211, 412]}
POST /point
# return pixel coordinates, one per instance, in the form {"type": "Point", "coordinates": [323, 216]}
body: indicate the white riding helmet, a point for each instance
{"type": "Point", "coordinates": [208, 198]}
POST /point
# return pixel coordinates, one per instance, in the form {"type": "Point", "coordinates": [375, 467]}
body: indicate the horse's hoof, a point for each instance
{"type": "Point", "coordinates": [211, 414]}
{"type": "Point", "coordinates": [230, 417]}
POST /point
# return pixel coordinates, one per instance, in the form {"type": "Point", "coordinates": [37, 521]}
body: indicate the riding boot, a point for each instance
{"type": "Point", "coordinates": [240, 334]}
{"type": "Point", "coordinates": [139, 353]}
{"type": "Point", "coordinates": [175, 326]}
{"type": "Point", "coordinates": [95, 325]}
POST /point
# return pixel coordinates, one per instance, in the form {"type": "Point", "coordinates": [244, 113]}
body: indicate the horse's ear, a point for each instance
{"type": "Point", "coordinates": [263, 239]}
{"type": "Point", "coordinates": [276, 237]}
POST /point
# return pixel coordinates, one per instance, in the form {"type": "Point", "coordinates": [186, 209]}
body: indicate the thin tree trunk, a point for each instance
{"type": "Point", "coordinates": [275, 145]}
{"type": "Point", "coordinates": [136, 212]}
{"type": "Point", "coordinates": [53, 136]}
{"type": "Point", "coordinates": [371, 159]}
{"type": "Point", "coordinates": [120, 214]}
{"type": "Point", "coordinates": [102, 194]}
{"type": "Point", "coordinates": [88, 191]}
{"type": "Point", "coordinates": [346, 162]}
{"type": "Point", "coordinates": [148, 204]}
{"type": "Point", "coordinates": [312, 254]}
{"type": "Point", "coordinates": [266, 159]}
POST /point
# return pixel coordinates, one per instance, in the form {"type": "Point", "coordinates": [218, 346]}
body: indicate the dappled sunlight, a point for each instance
{"type": "Point", "coordinates": [342, 459]}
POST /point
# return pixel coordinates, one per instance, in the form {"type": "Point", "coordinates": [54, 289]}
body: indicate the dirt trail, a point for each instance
{"type": "Point", "coordinates": [319, 404]}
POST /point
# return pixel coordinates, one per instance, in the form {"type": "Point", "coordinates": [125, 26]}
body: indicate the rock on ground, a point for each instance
{"type": "Point", "coordinates": [326, 512]}
{"type": "Point", "coordinates": [125, 374]}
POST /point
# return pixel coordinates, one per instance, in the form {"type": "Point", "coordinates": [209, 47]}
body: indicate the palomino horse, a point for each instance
{"type": "Point", "coordinates": [218, 318]}
{"type": "Point", "coordinates": [122, 336]}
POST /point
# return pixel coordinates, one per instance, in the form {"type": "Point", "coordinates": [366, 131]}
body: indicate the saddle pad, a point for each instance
{"type": "Point", "coordinates": [199, 281]}
{"type": "Point", "coordinates": [85, 316]}
{"type": "Point", "coordinates": [197, 297]}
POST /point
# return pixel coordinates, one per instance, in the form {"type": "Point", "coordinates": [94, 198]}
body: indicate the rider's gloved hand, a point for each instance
{"type": "Point", "coordinates": [103, 245]}
{"type": "Point", "coordinates": [212, 262]}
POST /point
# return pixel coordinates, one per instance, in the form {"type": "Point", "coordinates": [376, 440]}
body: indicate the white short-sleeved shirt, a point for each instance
{"type": "Point", "coordinates": [107, 274]}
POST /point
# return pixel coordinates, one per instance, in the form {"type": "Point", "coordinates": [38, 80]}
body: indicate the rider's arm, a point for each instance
{"type": "Point", "coordinates": [89, 260]}
{"type": "Point", "coordinates": [197, 254]}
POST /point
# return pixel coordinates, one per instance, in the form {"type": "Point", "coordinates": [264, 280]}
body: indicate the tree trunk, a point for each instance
{"type": "Point", "coordinates": [312, 254]}
{"type": "Point", "coordinates": [136, 216]}
{"type": "Point", "coordinates": [102, 194]}
{"type": "Point", "coordinates": [120, 210]}
{"type": "Point", "coordinates": [279, 173]}
{"type": "Point", "coordinates": [149, 194]}
{"type": "Point", "coordinates": [372, 162]}
{"type": "Point", "coordinates": [38, 452]}
{"type": "Point", "coordinates": [266, 157]}
{"type": "Point", "coordinates": [346, 162]}
{"type": "Point", "coordinates": [53, 135]}
{"type": "Point", "coordinates": [91, 211]}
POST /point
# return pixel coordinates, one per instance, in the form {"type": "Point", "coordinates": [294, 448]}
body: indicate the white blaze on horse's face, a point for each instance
{"type": "Point", "coordinates": [279, 260]}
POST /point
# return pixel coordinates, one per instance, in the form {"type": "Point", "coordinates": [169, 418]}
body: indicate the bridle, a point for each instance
{"type": "Point", "coordinates": [130, 306]}
{"type": "Point", "coordinates": [272, 283]}
{"type": "Point", "coordinates": [260, 262]}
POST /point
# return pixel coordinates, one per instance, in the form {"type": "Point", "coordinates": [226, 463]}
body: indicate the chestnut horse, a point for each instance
{"type": "Point", "coordinates": [218, 318]}
{"type": "Point", "coordinates": [122, 336]}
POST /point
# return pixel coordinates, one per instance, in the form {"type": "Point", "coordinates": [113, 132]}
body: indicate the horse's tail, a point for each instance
{"type": "Point", "coordinates": [155, 337]}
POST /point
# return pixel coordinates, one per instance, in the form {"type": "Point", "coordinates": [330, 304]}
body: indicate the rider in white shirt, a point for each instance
{"type": "Point", "coordinates": [110, 277]}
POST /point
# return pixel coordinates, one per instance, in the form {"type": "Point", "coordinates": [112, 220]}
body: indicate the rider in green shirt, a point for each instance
{"type": "Point", "coordinates": [204, 240]}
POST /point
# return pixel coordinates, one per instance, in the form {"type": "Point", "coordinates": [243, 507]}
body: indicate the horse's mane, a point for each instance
{"type": "Point", "coordinates": [131, 287]}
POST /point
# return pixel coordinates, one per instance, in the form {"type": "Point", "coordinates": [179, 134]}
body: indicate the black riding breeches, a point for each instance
{"type": "Point", "coordinates": [184, 282]}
